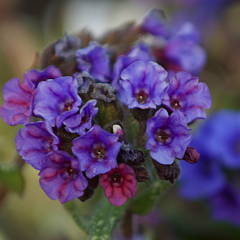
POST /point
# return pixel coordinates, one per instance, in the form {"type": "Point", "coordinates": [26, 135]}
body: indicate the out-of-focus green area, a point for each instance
{"type": "Point", "coordinates": [25, 28]}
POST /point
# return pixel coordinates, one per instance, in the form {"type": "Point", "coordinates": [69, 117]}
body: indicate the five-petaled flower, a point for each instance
{"type": "Point", "coordinates": [119, 184]}
{"type": "Point", "coordinates": [97, 151]}
{"type": "Point", "coordinates": [168, 136]}
{"type": "Point", "coordinates": [61, 177]}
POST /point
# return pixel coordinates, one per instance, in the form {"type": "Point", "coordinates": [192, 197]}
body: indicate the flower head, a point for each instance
{"type": "Point", "coordinates": [142, 85]}
{"type": "Point", "coordinates": [97, 151]}
{"type": "Point", "coordinates": [61, 177]}
{"type": "Point", "coordinates": [57, 99]}
{"type": "Point", "coordinates": [35, 141]}
{"type": "Point", "coordinates": [82, 121]}
{"type": "Point", "coordinates": [119, 184]}
{"type": "Point", "coordinates": [18, 97]}
{"type": "Point", "coordinates": [94, 59]}
{"type": "Point", "coordinates": [187, 95]}
{"type": "Point", "coordinates": [168, 136]}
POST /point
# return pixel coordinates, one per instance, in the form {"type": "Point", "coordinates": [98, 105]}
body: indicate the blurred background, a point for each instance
{"type": "Point", "coordinates": [27, 26]}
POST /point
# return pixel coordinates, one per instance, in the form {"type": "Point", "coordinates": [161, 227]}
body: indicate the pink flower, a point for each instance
{"type": "Point", "coordinates": [119, 184]}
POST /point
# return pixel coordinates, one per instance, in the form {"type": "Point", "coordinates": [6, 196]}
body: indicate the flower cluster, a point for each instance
{"type": "Point", "coordinates": [79, 110]}
{"type": "Point", "coordinates": [218, 141]}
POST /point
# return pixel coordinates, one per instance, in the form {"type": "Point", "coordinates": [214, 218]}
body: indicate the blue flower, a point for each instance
{"type": "Point", "coordinates": [168, 136]}
{"type": "Point", "coordinates": [142, 85]}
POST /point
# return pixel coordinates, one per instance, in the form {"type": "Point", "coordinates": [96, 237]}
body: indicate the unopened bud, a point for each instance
{"type": "Point", "coordinates": [167, 172]}
{"type": "Point", "coordinates": [117, 129]}
{"type": "Point", "coordinates": [191, 155]}
{"type": "Point", "coordinates": [141, 174]}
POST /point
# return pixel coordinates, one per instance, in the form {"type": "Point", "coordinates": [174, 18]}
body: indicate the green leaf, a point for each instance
{"type": "Point", "coordinates": [74, 209]}
{"type": "Point", "coordinates": [145, 201]}
{"type": "Point", "coordinates": [104, 220]}
{"type": "Point", "coordinates": [11, 178]}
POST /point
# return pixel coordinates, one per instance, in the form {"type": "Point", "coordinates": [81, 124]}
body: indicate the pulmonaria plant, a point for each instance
{"type": "Point", "coordinates": [102, 110]}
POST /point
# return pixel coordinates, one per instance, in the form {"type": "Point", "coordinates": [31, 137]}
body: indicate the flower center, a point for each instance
{"type": "Point", "coordinates": [175, 104]}
{"type": "Point", "coordinates": [69, 173]}
{"type": "Point", "coordinates": [142, 97]}
{"type": "Point", "coordinates": [162, 136]}
{"type": "Point", "coordinates": [99, 152]}
{"type": "Point", "coordinates": [116, 179]}
{"type": "Point", "coordinates": [67, 106]}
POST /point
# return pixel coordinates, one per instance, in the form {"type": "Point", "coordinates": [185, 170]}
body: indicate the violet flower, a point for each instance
{"type": "Point", "coordinates": [138, 52]}
{"type": "Point", "coordinates": [142, 85]}
{"type": "Point", "coordinates": [187, 95]}
{"type": "Point", "coordinates": [94, 59]}
{"type": "Point", "coordinates": [168, 136]}
{"type": "Point", "coordinates": [57, 99]}
{"type": "Point", "coordinates": [35, 141]}
{"type": "Point", "coordinates": [82, 121]}
{"type": "Point", "coordinates": [61, 177]}
{"type": "Point", "coordinates": [97, 151]}
{"type": "Point", "coordinates": [119, 184]}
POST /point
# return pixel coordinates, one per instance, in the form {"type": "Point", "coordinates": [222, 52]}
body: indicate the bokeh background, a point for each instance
{"type": "Point", "coordinates": [26, 26]}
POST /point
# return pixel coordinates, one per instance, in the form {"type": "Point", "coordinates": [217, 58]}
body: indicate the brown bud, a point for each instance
{"type": "Point", "coordinates": [167, 172]}
{"type": "Point", "coordinates": [191, 155]}
{"type": "Point", "coordinates": [141, 174]}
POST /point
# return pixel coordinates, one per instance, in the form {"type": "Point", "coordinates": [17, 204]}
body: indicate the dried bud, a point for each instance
{"type": "Point", "coordinates": [167, 172]}
{"type": "Point", "coordinates": [141, 174]}
{"type": "Point", "coordinates": [88, 192]}
{"type": "Point", "coordinates": [104, 92]}
{"type": "Point", "coordinates": [191, 155]}
{"type": "Point", "coordinates": [130, 155]}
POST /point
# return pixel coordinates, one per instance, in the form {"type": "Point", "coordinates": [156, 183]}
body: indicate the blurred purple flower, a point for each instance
{"type": "Point", "coordinates": [139, 52]}
{"type": "Point", "coordinates": [224, 131]}
{"type": "Point", "coordinates": [225, 205]}
{"type": "Point", "coordinates": [94, 59]}
{"type": "Point", "coordinates": [168, 136]}
{"type": "Point", "coordinates": [155, 23]}
{"type": "Point", "coordinates": [35, 141]}
{"type": "Point", "coordinates": [37, 76]}
{"type": "Point", "coordinates": [119, 184]}
{"type": "Point", "coordinates": [61, 177]}
{"type": "Point", "coordinates": [57, 99]}
{"type": "Point", "coordinates": [66, 46]}
{"type": "Point", "coordinates": [97, 151]}
{"type": "Point", "coordinates": [187, 95]}
{"type": "Point", "coordinates": [142, 85]}
{"type": "Point", "coordinates": [82, 121]}
{"type": "Point", "coordinates": [18, 97]}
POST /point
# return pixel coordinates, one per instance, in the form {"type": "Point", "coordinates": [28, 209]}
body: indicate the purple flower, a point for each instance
{"type": "Point", "coordinates": [187, 95]}
{"type": "Point", "coordinates": [61, 177]}
{"type": "Point", "coordinates": [36, 76]}
{"type": "Point", "coordinates": [202, 179]}
{"type": "Point", "coordinates": [94, 59]}
{"type": "Point", "coordinates": [225, 204]}
{"type": "Point", "coordinates": [97, 151]}
{"type": "Point", "coordinates": [187, 54]}
{"type": "Point", "coordinates": [224, 130]}
{"type": "Point", "coordinates": [57, 99]}
{"type": "Point", "coordinates": [139, 52]}
{"type": "Point", "coordinates": [168, 136]}
{"type": "Point", "coordinates": [66, 47]}
{"type": "Point", "coordinates": [34, 142]}
{"type": "Point", "coordinates": [156, 24]}
{"type": "Point", "coordinates": [81, 122]}
{"type": "Point", "coordinates": [18, 97]}
{"type": "Point", "coordinates": [142, 85]}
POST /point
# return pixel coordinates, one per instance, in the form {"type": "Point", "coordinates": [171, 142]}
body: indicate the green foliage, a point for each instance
{"type": "Point", "coordinates": [11, 178]}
